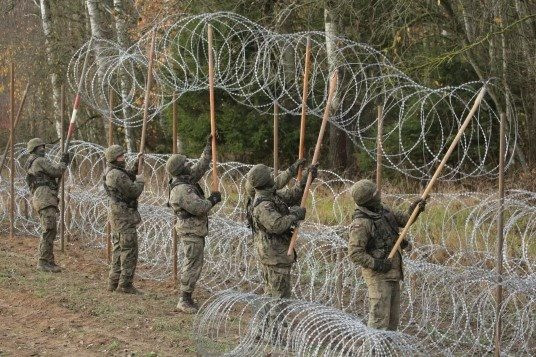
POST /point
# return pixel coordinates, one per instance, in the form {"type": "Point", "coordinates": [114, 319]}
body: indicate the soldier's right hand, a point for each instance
{"type": "Point", "coordinates": [214, 198]}
{"type": "Point", "coordinates": [66, 158]}
{"type": "Point", "coordinates": [382, 265]}
{"type": "Point", "coordinates": [296, 165]}
{"type": "Point", "coordinates": [140, 178]}
{"type": "Point", "coordinates": [298, 211]}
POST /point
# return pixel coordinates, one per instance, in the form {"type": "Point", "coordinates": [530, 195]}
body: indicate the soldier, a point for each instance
{"type": "Point", "coordinates": [275, 214]}
{"type": "Point", "coordinates": [123, 188]}
{"type": "Point", "coordinates": [43, 177]}
{"type": "Point", "coordinates": [373, 233]}
{"type": "Point", "coordinates": [187, 199]}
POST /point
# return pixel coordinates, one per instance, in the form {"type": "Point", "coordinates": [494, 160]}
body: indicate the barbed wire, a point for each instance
{"type": "Point", "coordinates": [447, 296]}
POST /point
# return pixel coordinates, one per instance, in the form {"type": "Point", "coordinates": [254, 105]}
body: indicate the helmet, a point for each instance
{"type": "Point", "coordinates": [113, 152]}
{"type": "Point", "coordinates": [34, 143]}
{"type": "Point", "coordinates": [176, 164]}
{"type": "Point", "coordinates": [260, 176]}
{"type": "Point", "coordinates": [363, 191]}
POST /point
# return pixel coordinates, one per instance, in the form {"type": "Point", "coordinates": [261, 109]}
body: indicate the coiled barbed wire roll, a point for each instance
{"type": "Point", "coordinates": [447, 297]}
{"type": "Point", "coordinates": [258, 67]}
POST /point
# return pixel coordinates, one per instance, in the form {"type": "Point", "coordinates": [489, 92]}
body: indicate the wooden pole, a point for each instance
{"type": "Point", "coordinates": [316, 155]}
{"type": "Point", "coordinates": [276, 138]}
{"type": "Point", "coordinates": [12, 158]}
{"type": "Point", "coordinates": [430, 185]}
{"type": "Point", "coordinates": [379, 149]}
{"type": "Point", "coordinates": [500, 240]}
{"type": "Point", "coordinates": [76, 103]}
{"type": "Point", "coordinates": [62, 182]}
{"type": "Point", "coordinates": [215, 181]}
{"type": "Point", "coordinates": [146, 103]}
{"type": "Point", "coordinates": [174, 150]}
{"type": "Point", "coordinates": [17, 119]}
{"type": "Point", "coordinates": [305, 93]}
{"type": "Point", "coordinates": [110, 143]}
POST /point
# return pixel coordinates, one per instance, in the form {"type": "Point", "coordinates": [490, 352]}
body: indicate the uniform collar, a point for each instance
{"type": "Point", "coordinates": [368, 212]}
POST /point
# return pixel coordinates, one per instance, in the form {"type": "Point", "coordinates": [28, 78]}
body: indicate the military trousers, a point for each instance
{"type": "Point", "coordinates": [48, 218]}
{"type": "Point", "coordinates": [384, 303]}
{"type": "Point", "coordinates": [124, 257]}
{"type": "Point", "coordinates": [277, 285]}
{"type": "Point", "coordinates": [193, 248]}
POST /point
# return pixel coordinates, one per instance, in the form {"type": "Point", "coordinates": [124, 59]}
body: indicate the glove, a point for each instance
{"type": "Point", "coordinates": [66, 158]}
{"type": "Point", "coordinates": [419, 202]}
{"type": "Point", "coordinates": [214, 198]}
{"type": "Point", "coordinates": [140, 178]}
{"type": "Point", "coordinates": [382, 265]}
{"type": "Point", "coordinates": [295, 166]}
{"type": "Point", "coordinates": [313, 169]}
{"type": "Point", "coordinates": [407, 246]}
{"type": "Point", "coordinates": [298, 211]}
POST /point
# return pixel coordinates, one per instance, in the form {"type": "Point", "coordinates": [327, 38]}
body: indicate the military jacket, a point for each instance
{"type": "Point", "coordinates": [123, 216]}
{"type": "Point", "coordinates": [372, 236]}
{"type": "Point", "coordinates": [189, 203]}
{"type": "Point", "coordinates": [273, 224]}
{"type": "Point", "coordinates": [46, 191]}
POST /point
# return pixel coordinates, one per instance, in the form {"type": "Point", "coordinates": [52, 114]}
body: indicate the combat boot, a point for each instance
{"type": "Point", "coordinates": [112, 285]}
{"type": "Point", "coordinates": [47, 267]}
{"type": "Point", "coordinates": [54, 267]}
{"type": "Point", "coordinates": [186, 304]}
{"type": "Point", "coordinates": [128, 289]}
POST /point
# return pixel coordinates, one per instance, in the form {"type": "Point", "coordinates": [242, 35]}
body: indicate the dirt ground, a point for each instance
{"type": "Point", "coordinates": [72, 314]}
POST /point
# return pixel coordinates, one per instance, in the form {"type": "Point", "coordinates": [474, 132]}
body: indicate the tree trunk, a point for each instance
{"type": "Point", "coordinates": [52, 61]}
{"type": "Point", "coordinates": [337, 137]}
{"type": "Point", "coordinates": [122, 29]}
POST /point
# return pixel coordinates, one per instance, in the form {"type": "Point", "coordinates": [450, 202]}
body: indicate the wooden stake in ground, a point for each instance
{"type": "Point", "coordinates": [316, 155]}
{"type": "Point", "coordinates": [17, 119]}
{"type": "Point", "coordinates": [77, 98]}
{"type": "Point", "coordinates": [500, 240]}
{"type": "Point", "coordinates": [305, 93]}
{"type": "Point", "coordinates": [276, 139]}
{"type": "Point", "coordinates": [430, 185]}
{"type": "Point", "coordinates": [110, 143]}
{"type": "Point", "coordinates": [215, 180]}
{"type": "Point", "coordinates": [174, 150]}
{"type": "Point", "coordinates": [379, 149]}
{"type": "Point", "coordinates": [12, 158]}
{"type": "Point", "coordinates": [148, 85]}
{"type": "Point", "coordinates": [62, 181]}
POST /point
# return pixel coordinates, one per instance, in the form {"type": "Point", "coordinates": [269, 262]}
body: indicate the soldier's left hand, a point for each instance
{"type": "Point", "coordinates": [140, 178]}
{"type": "Point", "coordinates": [66, 158]}
{"type": "Point", "coordinates": [296, 165]}
{"type": "Point", "coordinates": [298, 212]}
{"type": "Point", "coordinates": [407, 246]}
{"type": "Point", "coordinates": [419, 202]}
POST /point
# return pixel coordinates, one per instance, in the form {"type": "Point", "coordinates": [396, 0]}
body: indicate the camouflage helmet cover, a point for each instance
{"type": "Point", "coordinates": [176, 164]}
{"type": "Point", "coordinates": [113, 152]}
{"type": "Point", "coordinates": [363, 191]}
{"type": "Point", "coordinates": [34, 143]}
{"type": "Point", "coordinates": [260, 176]}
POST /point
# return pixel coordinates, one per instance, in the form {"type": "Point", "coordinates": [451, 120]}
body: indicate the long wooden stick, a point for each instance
{"type": "Point", "coordinates": [12, 158]}
{"type": "Point", "coordinates": [110, 143]}
{"type": "Point", "coordinates": [148, 85]}
{"type": "Point", "coordinates": [174, 150]}
{"type": "Point", "coordinates": [430, 185]}
{"type": "Point", "coordinates": [62, 183]}
{"type": "Point", "coordinates": [379, 149]}
{"type": "Point", "coordinates": [305, 93]}
{"type": "Point", "coordinates": [77, 98]}
{"type": "Point", "coordinates": [17, 119]}
{"type": "Point", "coordinates": [316, 155]}
{"type": "Point", "coordinates": [276, 138]}
{"type": "Point", "coordinates": [500, 240]}
{"type": "Point", "coordinates": [215, 180]}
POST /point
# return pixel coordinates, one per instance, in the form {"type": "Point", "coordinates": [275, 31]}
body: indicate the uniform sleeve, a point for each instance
{"type": "Point", "coordinates": [360, 233]}
{"type": "Point", "coordinates": [51, 169]}
{"type": "Point", "coordinates": [282, 179]}
{"type": "Point", "coordinates": [202, 165]}
{"type": "Point", "coordinates": [401, 218]}
{"type": "Point", "coordinates": [291, 195]}
{"type": "Point", "coordinates": [127, 187]}
{"type": "Point", "coordinates": [271, 220]}
{"type": "Point", "coordinates": [193, 204]}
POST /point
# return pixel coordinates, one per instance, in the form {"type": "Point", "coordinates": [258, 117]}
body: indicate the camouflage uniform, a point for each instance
{"type": "Point", "coordinates": [189, 204]}
{"type": "Point", "coordinates": [373, 233]}
{"type": "Point", "coordinates": [43, 178]}
{"type": "Point", "coordinates": [123, 188]}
